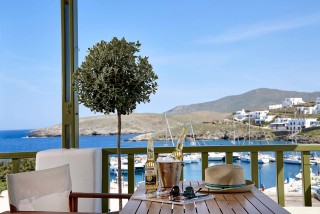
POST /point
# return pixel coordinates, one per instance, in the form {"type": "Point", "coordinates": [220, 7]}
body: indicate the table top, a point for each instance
{"type": "Point", "coordinates": [254, 201]}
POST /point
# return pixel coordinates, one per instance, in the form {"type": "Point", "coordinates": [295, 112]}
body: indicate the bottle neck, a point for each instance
{"type": "Point", "coordinates": [150, 152]}
{"type": "Point", "coordinates": [179, 146]}
{"type": "Point", "coordinates": [150, 156]}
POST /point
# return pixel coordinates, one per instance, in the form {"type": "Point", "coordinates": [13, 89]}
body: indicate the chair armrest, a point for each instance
{"type": "Point", "coordinates": [73, 198]}
{"type": "Point", "coordinates": [99, 195]}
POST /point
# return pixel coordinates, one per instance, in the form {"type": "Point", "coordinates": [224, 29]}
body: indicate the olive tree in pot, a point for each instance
{"type": "Point", "coordinates": [113, 79]}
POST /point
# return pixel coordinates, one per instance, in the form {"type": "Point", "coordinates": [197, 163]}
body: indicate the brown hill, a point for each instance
{"type": "Point", "coordinates": [133, 123]}
{"type": "Point", "coordinates": [258, 99]}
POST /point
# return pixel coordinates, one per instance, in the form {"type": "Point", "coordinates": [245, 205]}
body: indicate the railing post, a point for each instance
{"type": "Point", "coordinates": [69, 41]}
{"type": "Point", "coordinates": [306, 181]}
{"type": "Point", "coordinates": [204, 161]}
{"type": "Point", "coordinates": [105, 180]}
{"type": "Point", "coordinates": [229, 157]}
{"type": "Point", "coordinates": [15, 165]}
{"type": "Point", "coordinates": [254, 168]}
{"type": "Point", "coordinates": [130, 173]}
{"type": "Point", "coordinates": [280, 178]}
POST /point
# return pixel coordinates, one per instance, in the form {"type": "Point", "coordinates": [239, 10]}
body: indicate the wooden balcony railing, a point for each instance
{"type": "Point", "coordinates": [204, 150]}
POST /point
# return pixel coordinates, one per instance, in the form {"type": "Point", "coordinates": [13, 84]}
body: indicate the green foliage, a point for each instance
{"type": "Point", "coordinates": [113, 78]}
{"type": "Point", "coordinates": [3, 186]}
{"type": "Point", "coordinates": [5, 168]}
{"type": "Point", "coordinates": [27, 165]}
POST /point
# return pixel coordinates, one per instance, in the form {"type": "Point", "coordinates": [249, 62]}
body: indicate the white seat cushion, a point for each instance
{"type": "Point", "coordinates": [42, 190]}
{"type": "Point", "coordinates": [85, 169]}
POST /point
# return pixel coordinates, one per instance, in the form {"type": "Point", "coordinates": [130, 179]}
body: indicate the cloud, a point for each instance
{"type": "Point", "coordinates": [261, 29]}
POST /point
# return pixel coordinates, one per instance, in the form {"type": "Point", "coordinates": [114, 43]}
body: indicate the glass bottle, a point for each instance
{"type": "Point", "coordinates": [151, 178]}
{"type": "Point", "coordinates": [177, 153]}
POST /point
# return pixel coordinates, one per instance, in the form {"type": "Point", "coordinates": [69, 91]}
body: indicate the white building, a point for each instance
{"type": "Point", "coordinates": [289, 102]}
{"type": "Point", "coordinates": [280, 124]}
{"type": "Point", "coordinates": [263, 119]}
{"type": "Point", "coordinates": [316, 109]}
{"type": "Point", "coordinates": [296, 125]}
{"type": "Point", "coordinates": [276, 106]}
{"type": "Point", "coordinates": [305, 110]}
{"type": "Point", "coordinates": [240, 115]}
{"type": "Point", "coordinates": [258, 114]}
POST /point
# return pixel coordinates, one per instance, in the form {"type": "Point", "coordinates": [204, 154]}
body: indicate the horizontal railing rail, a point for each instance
{"type": "Point", "coordinates": [204, 150]}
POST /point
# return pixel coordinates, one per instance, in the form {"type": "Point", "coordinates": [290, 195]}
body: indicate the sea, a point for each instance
{"type": "Point", "coordinates": [18, 141]}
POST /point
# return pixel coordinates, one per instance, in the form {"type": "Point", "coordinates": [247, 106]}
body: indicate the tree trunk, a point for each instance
{"type": "Point", "coordinates": [119, 158]}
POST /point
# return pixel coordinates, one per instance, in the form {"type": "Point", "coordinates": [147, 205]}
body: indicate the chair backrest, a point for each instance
{"type": "Point", "coordinates": [43, 190]}
{"type": "Point", "coordinates": [85, 170]}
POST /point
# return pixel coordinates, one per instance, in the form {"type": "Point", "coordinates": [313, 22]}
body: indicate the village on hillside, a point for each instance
{"type": "Point", "coordinates": [296, 124]}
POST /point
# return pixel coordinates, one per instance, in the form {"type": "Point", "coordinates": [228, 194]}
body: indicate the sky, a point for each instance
{"type": "Point", "coordinates": [201, 50]}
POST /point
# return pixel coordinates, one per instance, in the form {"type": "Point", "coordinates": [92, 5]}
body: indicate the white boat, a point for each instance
{"type": "Point", "coordinates": [261, 158]}
{"type": "Point", "coordinates": [245, 158]}
{"type": "Point", "coordinates": [236, 155]}
{"type": "Point", "coordinates": [316, 194]}
{"type": "Point", "coordinates": [299, 175]}
{"type": "Point", "coordinates": [114, 169]}
{"type": "Point", "coordinates": [216, 156]}
{"type": "Point", "coordinates": [138, 165]}
{"type": "Point", "coordinates": [315, 159]}
{"type": "Point", "coordinates": [186, 159]}
{"type": "Point", "coordinates": [292, 159]}
{"type": "Point", "coordinates": [271, 158]}
{"type": "Point", "coordinates": [195, 158]}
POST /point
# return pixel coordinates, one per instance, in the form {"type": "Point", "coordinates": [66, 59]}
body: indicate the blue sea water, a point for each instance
{"type": "Point", "coordinates": [17, 141]}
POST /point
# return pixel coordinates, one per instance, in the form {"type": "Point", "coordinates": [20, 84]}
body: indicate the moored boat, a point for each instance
{"type": "Point", "coordinates": [216, 156]}
{"type": "Point", "coordinates": [316, 194]}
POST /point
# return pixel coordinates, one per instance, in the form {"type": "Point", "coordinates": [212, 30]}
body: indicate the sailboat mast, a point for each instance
{"type": "Point", "coordinates": [168, 127]}
{"type": "Point", "coordinates": [249, 128]}
{"type": "Point", "coordinates": [234, 130]}
{"type": "Point", "coordinates": [192, 132]}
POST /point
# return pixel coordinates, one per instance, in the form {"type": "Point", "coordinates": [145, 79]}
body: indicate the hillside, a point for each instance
{"type": "Point", "coordinates": [258, 99]}
{"type": "Point", "coordinates": [207, 125]}
{"type": "Point", "coordinates": [132, 124]}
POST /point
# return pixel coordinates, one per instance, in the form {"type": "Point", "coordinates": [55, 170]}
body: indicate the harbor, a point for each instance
{"type": "Point", "coordinates": [267, 170]}
{"type": "Point", "coordinates": [192, 168]}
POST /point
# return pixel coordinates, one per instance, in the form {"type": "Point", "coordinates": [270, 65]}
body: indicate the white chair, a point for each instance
{"type": "Point", "coordinates": [45, 190]}
{"type": "Point", "coordinates": [85, 170]}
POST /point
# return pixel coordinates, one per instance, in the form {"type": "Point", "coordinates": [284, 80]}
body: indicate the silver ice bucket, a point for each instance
{"type": "Point", "coordinates": [169, 173]}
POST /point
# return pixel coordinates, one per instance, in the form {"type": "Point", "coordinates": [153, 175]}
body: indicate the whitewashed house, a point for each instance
{"type": "Point", "coordinates": [276, 106]}
{"type": "Point", "coordinates": [240, 115]}
{"type": "Point", "coordinates": [316, 109]}
{"type": "Point", "coordinates": [264, 119]}
{"type": "Point", "coordinates": [289, 102]}
{"type": "Point", "coordinates": [280, 124]}
{"type": "Point", "coordinates": [258, 114]}
{"type": "Point", "coordinates": [305, 110]}
{"type": "Point", "coordinates": [297, 124]}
